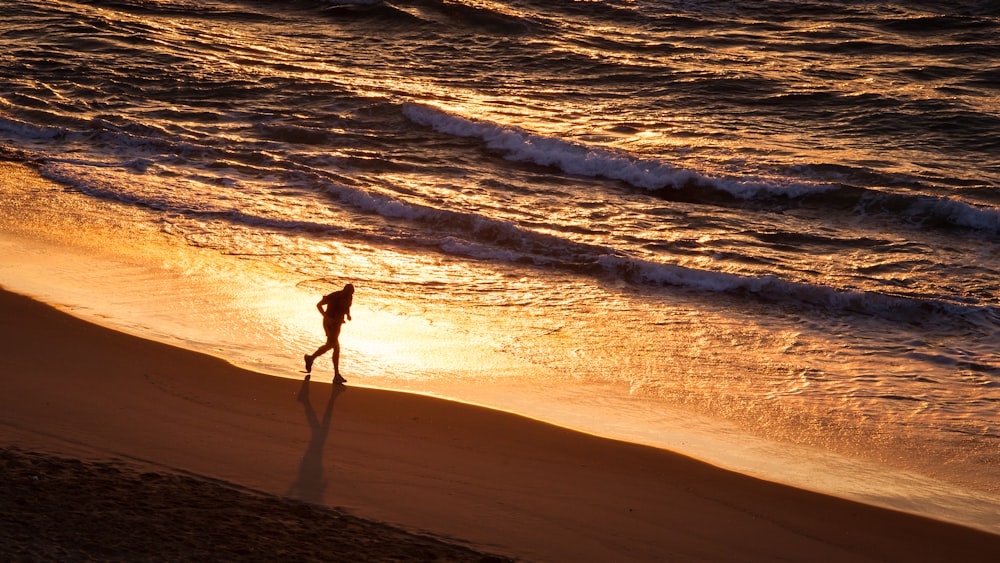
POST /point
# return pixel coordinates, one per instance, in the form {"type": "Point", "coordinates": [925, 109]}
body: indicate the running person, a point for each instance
{"type": "Point", "coordinates": [338, 307]}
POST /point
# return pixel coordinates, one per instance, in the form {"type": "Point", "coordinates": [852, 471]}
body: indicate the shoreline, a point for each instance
{"type": "Point", "coordinates": [501, 482]}
{"type": "Point", "coordinates": [110, 265]}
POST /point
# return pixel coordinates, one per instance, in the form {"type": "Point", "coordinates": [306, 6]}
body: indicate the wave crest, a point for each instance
{"type": "Point", "coordinates": [664, 178]}
{"type": "Point", "coordinates": [596, 162]}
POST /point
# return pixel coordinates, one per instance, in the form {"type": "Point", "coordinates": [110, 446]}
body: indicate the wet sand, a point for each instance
{"type": "Point", "coordinates": [225, 448]}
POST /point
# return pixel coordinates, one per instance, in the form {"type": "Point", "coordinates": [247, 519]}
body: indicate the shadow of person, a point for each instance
{"type": "Point", "coordinates": [310, 484]}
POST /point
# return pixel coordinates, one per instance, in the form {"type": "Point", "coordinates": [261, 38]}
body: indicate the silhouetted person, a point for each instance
{"type": "Point", "coordinates": [338, 307]}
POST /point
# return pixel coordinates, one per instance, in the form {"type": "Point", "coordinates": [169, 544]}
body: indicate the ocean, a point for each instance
{"type": "Point", "coordinates": [763, 233]}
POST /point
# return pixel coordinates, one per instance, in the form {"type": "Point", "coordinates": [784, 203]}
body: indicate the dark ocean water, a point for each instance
{"type": "Point", "coordinates": [784, 215]}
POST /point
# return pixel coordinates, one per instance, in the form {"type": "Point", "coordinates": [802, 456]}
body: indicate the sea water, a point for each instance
{"type": "Point", "coordinates": [761, 233]}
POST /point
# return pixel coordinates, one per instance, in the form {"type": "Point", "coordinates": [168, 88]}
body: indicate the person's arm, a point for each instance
{"type": "Point", "coordinates": [350, 300]}
{"type": "Point", "coordinates": [320, 306]}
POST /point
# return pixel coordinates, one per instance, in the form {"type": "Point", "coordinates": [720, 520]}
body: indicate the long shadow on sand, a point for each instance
{"type": "Point", "coordinates": [310, 485]}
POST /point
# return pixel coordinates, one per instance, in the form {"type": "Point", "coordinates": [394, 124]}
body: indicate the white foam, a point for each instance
{"type": "Point", "coordinates": [960, 213]}
{"type": "Point", "coordinates": [773, 287]}
{"type": "Point", "coordinates": [21, 130]}
{"type": "Point", "coordinates": [597, 162]}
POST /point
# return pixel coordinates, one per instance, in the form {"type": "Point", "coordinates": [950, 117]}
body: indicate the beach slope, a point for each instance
{"type": "Point", "coordinates": [490, 480]}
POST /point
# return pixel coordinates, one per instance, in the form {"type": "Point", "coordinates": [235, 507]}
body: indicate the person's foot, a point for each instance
{"type": "Point", "coordinates": [309, 363]}
{"type": "Point", "coordinates": [339, 379]}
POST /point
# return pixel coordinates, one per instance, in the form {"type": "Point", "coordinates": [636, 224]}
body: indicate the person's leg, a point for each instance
{"type": "Point", "coordinates": [319, 352]}
{"type": "Point", "coordinates": [331, 331]}
{"type": "Point", "coordinates": [323, 350]}
{"type": "Point", "coordinates": [335, 343]}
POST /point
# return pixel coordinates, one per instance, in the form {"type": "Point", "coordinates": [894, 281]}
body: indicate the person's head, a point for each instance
{"type": "Point", "coordinates": [349, 288]}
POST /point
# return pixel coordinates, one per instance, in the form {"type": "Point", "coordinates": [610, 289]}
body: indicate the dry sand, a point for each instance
{"type": "Point", "coordinates": [196, 459]}
{"type": "Point", "coordinates": [62, 509]}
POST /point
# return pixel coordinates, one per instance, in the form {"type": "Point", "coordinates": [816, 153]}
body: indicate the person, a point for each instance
{"type": "Point", "coordinates": [338, 307]}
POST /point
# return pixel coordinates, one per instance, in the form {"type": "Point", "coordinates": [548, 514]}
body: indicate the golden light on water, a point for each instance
{"type": "Point", "coordinates": [247, 311]}
{"type": "Point", "coordinates": [526, 238]}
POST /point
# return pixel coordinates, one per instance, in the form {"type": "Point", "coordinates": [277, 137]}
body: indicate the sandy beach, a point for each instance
{"type": "Point", "coordinates": [443, 480]}
{"type": "Point", "coordinates": [64, 509]}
